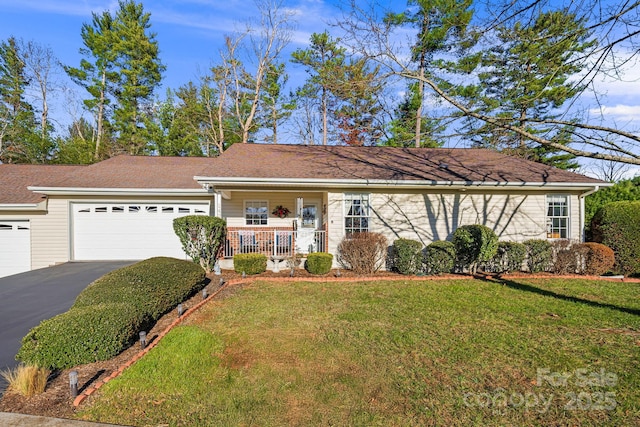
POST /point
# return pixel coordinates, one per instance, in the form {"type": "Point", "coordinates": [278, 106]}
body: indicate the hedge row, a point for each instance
{"type": "Point", "coordinates": [109, 313]}
{"type": "Point", "coordinates": [467, 253]}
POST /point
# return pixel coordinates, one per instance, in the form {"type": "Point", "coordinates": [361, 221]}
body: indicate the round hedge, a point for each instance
{"type": "Point", "coordinates": [600, 259]}
{"type": "Point", "coordinates": [319, 262]}
{"type": "Point", "coordinates": [407, 256]}
{"type": "Point", "coordinates": [440, 257]}
{"type": "Point", "coordinates": [474, 244]}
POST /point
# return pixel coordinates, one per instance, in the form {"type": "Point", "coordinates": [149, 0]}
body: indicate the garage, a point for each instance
{"type": "Point", "coordinates": [128, 231]}
{"type": "Point", "coordinates": [15, 247]}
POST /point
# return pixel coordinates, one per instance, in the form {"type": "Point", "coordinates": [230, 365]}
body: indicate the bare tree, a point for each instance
{"type": "Point", "coordinates": [42, 66]}
{"type": "Point", "coordinates": [615, 25]}
{"type": "Point", "coordinates": [262, 45]}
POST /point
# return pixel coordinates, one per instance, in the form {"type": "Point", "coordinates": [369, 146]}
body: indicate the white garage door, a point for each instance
{"type": "Point", "coordinates": [128, 231]}
{"type": "Point", "coordinates": [15, 247]}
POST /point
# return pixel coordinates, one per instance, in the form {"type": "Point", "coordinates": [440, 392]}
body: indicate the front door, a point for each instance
{"type": "Point", "coordinates": [310, 215]}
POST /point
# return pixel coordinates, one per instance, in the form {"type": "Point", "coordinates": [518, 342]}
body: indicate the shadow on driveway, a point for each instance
{"type": "Point", "coordinates": [28, 298]}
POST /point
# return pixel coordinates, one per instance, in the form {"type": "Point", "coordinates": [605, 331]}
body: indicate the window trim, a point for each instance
{"type": "Point", "coordinates": [244, 212]}
{"type": "Point", "coordinates": [361, 197]}
{"type": "Point", "coordinates": [548, 218]}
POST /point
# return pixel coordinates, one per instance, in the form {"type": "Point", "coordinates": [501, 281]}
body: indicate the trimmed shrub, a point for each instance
{"type": "Point", "coordinates": [109, 313]}
{"type": "Point", "coordinates": [363, 253]}
{"type": "Point", "coordinates": [81, 335]}
{"type": "Point", "coordinates": [319, 262]}
{"type": "Point", "coordinates": [508, 258]}
{"type": "Point", "coordinates": [152, 287]}
{"type": "Point", "coordinates": [474, 244]}
{"type": "Point", "coordinates": [568, 257]}
{"type": "Point", "coordinates": [539, 255]}
{"type": "Point", "coordinates": [202, 238]}
{"type": "Point", "coordinates": [250, 263]}
{"type": "Point", "coordinates": [600, 259]}
{"type": "Point", "coordinates": [617, 225]}
{"type": "Point", "coordinates": [407, 256]}
{"type": "Point", "coordinates": [440, 257]}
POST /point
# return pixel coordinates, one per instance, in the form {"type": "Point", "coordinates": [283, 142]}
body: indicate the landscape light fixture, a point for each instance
{"type": "Point", "coordinates": [221, 282]}
{"type": "Point", "coordinates": [143, 339]}
{"type": "Point", "coordinates": [73, 383]}
{"type": "Point", "coordinates": [180, 310]}
{"type": "Point", "coordinates": [204, 293]}
{"type": "Point", "coordinates": [244, 275]}
{"type": "Point", "coordinates": [292, 272]}
{"type": "Point", "coordinates": [338, 272]}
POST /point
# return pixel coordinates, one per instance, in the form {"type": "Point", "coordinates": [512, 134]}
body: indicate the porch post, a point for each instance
{"type": "Point", "coordinates": [217, 207]}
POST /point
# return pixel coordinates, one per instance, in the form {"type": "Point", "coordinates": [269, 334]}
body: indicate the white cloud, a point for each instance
{"type": "Point", "coordinates": [618, 112]}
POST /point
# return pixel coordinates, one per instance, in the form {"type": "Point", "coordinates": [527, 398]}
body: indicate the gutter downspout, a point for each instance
{"type": "Point", "coordinates": [581, 197]}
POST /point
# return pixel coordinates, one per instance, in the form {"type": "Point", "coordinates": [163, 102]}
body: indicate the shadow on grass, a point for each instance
{"type": "Point", "coordinates": [544, 292]}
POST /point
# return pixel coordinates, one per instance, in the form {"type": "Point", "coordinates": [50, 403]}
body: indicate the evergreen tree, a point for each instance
{"type": "Point", "coordinates": [323, 60]}
{"type": "Point", "coordinates": [140, 70]}
{"type": "Point", "coordinates": [525, 77]}
{"type": "Point", "coordinates": [402, 128]}
{"type": "Point", "coordinates": [357, 90]}
{"type": "Point", "coordinates": [437, 22]}
{"type": "Point", "coordinates": [120, 70]}
{"type": "Point", "coordinates": [97, 75]}
{"type": "Point", "coordinates": [276, 106]}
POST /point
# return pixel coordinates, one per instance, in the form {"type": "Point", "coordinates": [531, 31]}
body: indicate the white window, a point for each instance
{"type": "Point", "coordinates": [557, 216]}
{"type": "Point", "coordinates": [356, 213]}
{"type": "Point", "coordinates": [256, 212]}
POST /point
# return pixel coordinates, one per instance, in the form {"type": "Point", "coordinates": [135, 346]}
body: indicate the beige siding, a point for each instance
{"type": "Point", "coordinates": [436, 215]}
{"type": "Point", "coordinates": [233, 208]}
{"type": "Point", "coordinates": [50, 235]}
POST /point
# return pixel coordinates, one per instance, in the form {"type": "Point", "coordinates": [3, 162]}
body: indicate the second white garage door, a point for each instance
{"type": "Point", "coordinates": [15, 247]}
{"type": "Point", "coordinates": [128, 231]}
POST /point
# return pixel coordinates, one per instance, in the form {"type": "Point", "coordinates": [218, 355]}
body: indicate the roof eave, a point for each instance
{"type": "Point", "coordinates": [226, 182]}
{"type": "Point", "coordinates": [81, 191]}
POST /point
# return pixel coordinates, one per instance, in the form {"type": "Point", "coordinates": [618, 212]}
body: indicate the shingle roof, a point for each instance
{"type": "Point", "coordinates": [383, 163]}
{"type": "Point", "coordinates": [139, 172]}
{"type": "Point", "coordinates": [283, 162]}
{"type": "Point", "coordinates": [14, 180]}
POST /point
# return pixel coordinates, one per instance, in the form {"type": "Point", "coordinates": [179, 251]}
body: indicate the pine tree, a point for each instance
{"type": "Point", "coordinates": [323, 61]}
{"type": "Point", "coordinates": [525, 78]}
{"type": "Point", "coordinates": [402, 128]}
{"type": "Point", "coordinates": [140, 70]}
{"type": "Point", "coordinates": [97, 75]}
{"type": "Point", "coordinates": [437, 22]}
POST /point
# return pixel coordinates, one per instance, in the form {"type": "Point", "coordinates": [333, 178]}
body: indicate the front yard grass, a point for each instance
{"type": "Point", "coordinates": [449, 352]}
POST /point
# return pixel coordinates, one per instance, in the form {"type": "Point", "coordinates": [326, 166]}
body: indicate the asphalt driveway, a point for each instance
{"type": "Point", "coordinates": [28, 298]}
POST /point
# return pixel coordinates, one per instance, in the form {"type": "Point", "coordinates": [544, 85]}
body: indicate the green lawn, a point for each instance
{"type": "Point", "coordinates": [457, 352]}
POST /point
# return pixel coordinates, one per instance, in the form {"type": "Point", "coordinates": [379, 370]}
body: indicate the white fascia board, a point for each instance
{"type": "Point", "coordinates": [79, 191]}
{"type": "Point", "coordinates": [21, 207]}
{"type": "Point", "coordinates": [219, 183]}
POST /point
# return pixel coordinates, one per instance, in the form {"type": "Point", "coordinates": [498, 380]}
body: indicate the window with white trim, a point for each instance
{"type": "Point", "coordinates": [558, 216]}
{"type": "Point", "coordinates": [356, 213]}
{"type": "Point", "coordinates": [256, 212]}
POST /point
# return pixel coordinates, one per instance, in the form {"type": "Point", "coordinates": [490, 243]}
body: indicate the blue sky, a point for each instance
{"type": "Point", "coordinates": [189, 32]}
